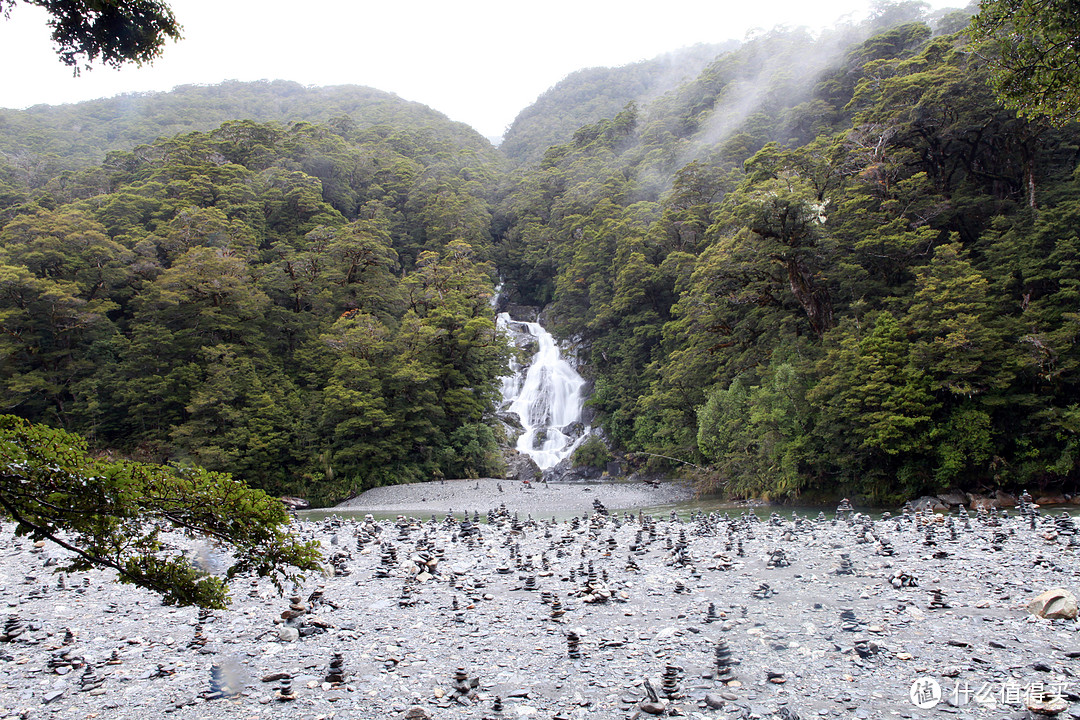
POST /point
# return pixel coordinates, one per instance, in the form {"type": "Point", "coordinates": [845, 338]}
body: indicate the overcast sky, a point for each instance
{"type": "Point", "coordinates": [478, 61]}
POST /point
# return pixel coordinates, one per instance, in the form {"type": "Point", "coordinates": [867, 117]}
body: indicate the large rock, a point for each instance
{"type": "Point", "coordinates": [1054, 604]}
{"type": "Point", "coordinates": [520, 466]}
{"type": "Point", "coordinates": [953, 498]}
{"type": "Point", "coordinates": [295, 503]}
{"type": "Point", "coordinates": [928, 503]}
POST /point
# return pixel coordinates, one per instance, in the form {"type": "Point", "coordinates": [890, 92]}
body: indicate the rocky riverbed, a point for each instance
{"type": "Point", "coordinates": [540, 499]}
{"type": "Point", "coordinates": [611, 616]}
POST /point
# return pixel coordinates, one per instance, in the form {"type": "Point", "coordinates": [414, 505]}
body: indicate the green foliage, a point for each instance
{"type": "Point", "coordinates": [307, 307]}
{"type": "Point", "coordinates": [110, 514]}
{"type": "Point", "coordinates": [592, 453]}
{"type": "Point", "coordinates": [1032, 48]}
{"type": "Point", "coordinates": [113, 33]}
{"type": "Point", "coordinates": [855, 280]}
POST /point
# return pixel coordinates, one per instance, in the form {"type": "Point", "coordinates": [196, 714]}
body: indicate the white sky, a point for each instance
{"type": "Point", "coordinates": [477, 61]}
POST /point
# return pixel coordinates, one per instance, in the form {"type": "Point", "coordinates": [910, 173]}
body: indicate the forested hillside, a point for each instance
{"type": "Point", "coordinates": [49, 138]}
{"type": "Point", "coordinates": [865, 284]}
{"type": "Point", "coordinates": [590, 95]}
{"type": "Point", "coordinates": [306, 307]}
{"type": "Point", "coordinates": [822, 264]}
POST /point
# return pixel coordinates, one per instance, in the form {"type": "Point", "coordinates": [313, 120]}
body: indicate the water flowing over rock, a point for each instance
{"type": "Point", "coordinates": [545, 395]}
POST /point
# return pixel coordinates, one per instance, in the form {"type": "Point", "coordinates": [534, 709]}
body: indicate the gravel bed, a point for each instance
{"type": "Point", "coordinates": [536, 499]}
{"type": "Point", "coordinates": [844, 629]}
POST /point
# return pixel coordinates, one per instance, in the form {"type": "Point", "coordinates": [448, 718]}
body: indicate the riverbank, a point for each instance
{"type": "Point", "coordinates": [575, 620]}
{"type": "Point", "coordinates": [538, 499]}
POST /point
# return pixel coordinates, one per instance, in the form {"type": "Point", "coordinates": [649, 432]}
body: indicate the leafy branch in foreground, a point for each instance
{"type": "Point", "coordinates": [111, 514]}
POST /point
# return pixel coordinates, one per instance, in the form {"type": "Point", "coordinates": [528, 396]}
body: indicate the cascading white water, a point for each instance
{"type": "Point", "coordinates": [547, 399]}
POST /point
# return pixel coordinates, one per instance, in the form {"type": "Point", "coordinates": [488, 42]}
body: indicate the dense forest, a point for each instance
{"type": "Point", "coordinates": [818, 264]}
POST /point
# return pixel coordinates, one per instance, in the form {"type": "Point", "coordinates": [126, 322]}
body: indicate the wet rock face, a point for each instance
{"type": "Point", "coordinates": [520, 467]}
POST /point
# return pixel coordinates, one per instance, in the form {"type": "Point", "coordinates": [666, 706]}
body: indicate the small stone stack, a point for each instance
{"type": "Point", "coordinates": [285, 689]}
{"type": "Point", "coordinates": [885, 548]}
{"type": "Point", "coordinates": [778, 559]}
{"type": "Point", "coordinates": [64, 661]}
{"type": "Point", "coordinates": [669, 683]}
{"type": "Point", "coordinates": [903, 579]}
{"type": "Point", "coordinates": [710, 614]}
{"type": "Point", "coordinates": [724, 662]}
{"type": "Point", "coordinates": [763, 592]}
{"type": "Point", "coordinates": [556, 608]}
{"type": "Point", "coordinates": [13, 628]}
{"type": "Point", "coordinates": [573, 641]}
{"type": "Point", "coordinates": [846, 567]}
{"type": "Point", "coordinates": [844, 510]}
{"type": "Point", "coordinates": [219, 687]}
{"type": "Point", "coordinates": [297, 609]}
{"type": "Point", "coordinates": [90, 680]}
{"type": "Point", "coordinates": [937, 600]}
{"type": "Point", "coordinates": [335, 674]}
{"type": "Point", "coordinates": [1066, 528]}
{"type": "Point", "coordinates": [848, 621]}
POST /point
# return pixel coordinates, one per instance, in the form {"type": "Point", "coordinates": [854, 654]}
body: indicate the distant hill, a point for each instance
{"type": "Point", "coordinates": [83, 133]}
{"type": "Point", "coordinates": [589, 95]}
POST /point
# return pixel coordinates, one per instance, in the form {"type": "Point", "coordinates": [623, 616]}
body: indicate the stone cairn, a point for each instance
{"type": "Point", "coordinates": [219, 686]}
{"type": "Point", "coordinates": [669, 683]}
{"type": "Point", "coordinates": [710, 614]}
{"type": "Point", "coordinates": [1066, 528]}
{"type": "Point", "coordinates": [778, 559]}
{"type": "Point", "coordinates": [937, 600]}
{"type": "Point", "coordinates": [556, 608]}
{"type": "Point", "coordinates": [763, 592]}
{"type": "Point", "coordinates": [335, 674]}
{"type": "Point", "coordinates": [844, 510]}
{"type": "Point", "coordinates": [848, 621]}
{"type": "Point", "coordinates": [903, 579]}
{"type": "Point", "coordinates": [464, 687]}
{"type": "Point", "coordinates": [573, 641]}
{"type": "Point", "coordinates": [724, 662]}
{"type": "Point", "coordinates": [90, 680]}
{"type": "Point", "coordinates": [13, 628]}
{"type": "Point", "coordinates": [846, 566]}
{"type": "Point", "coordinates": [497, 705]}
{"type": "Point", "coordinates": [285, 689]}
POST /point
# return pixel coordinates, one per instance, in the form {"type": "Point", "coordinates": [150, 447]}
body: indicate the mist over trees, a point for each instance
{"type": "Point", "coordinates": [816, 264]}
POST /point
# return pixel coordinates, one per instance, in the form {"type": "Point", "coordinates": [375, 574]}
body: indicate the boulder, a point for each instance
{"type": "Point", "coordinates": [1003, 499]}
{"type": "Point", "coordinates": [295, 503]}
{"type": "Point", "coordinates": [1054, 604]}
{"type": "Point", "coordinates": [520, 467]}
{"type": "Point", "coordinates": [953, 498]}
{"type": "Point", "coordinates": [928, 503]}
{"type": "Point", "coordinates": [1054, 499]}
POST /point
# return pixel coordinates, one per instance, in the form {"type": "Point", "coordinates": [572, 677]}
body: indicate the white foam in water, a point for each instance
{"type": "Point", "coordinates": [547, 399]}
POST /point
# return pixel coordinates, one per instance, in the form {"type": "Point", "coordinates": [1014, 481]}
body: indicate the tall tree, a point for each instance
{"type": "Point", "coordinates": [114, 32]}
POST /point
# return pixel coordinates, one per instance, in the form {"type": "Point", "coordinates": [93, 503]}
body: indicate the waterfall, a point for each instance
{"type": "Point", "coordinates": [545, 395]}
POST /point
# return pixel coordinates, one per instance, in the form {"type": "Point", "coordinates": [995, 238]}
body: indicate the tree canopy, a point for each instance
{"type": "Point", "coordinates": [112, 514]}
{"type": "Point", "coordinates": [1033, 48]}
{"type": "Point", "coordinates": [113, 33]}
